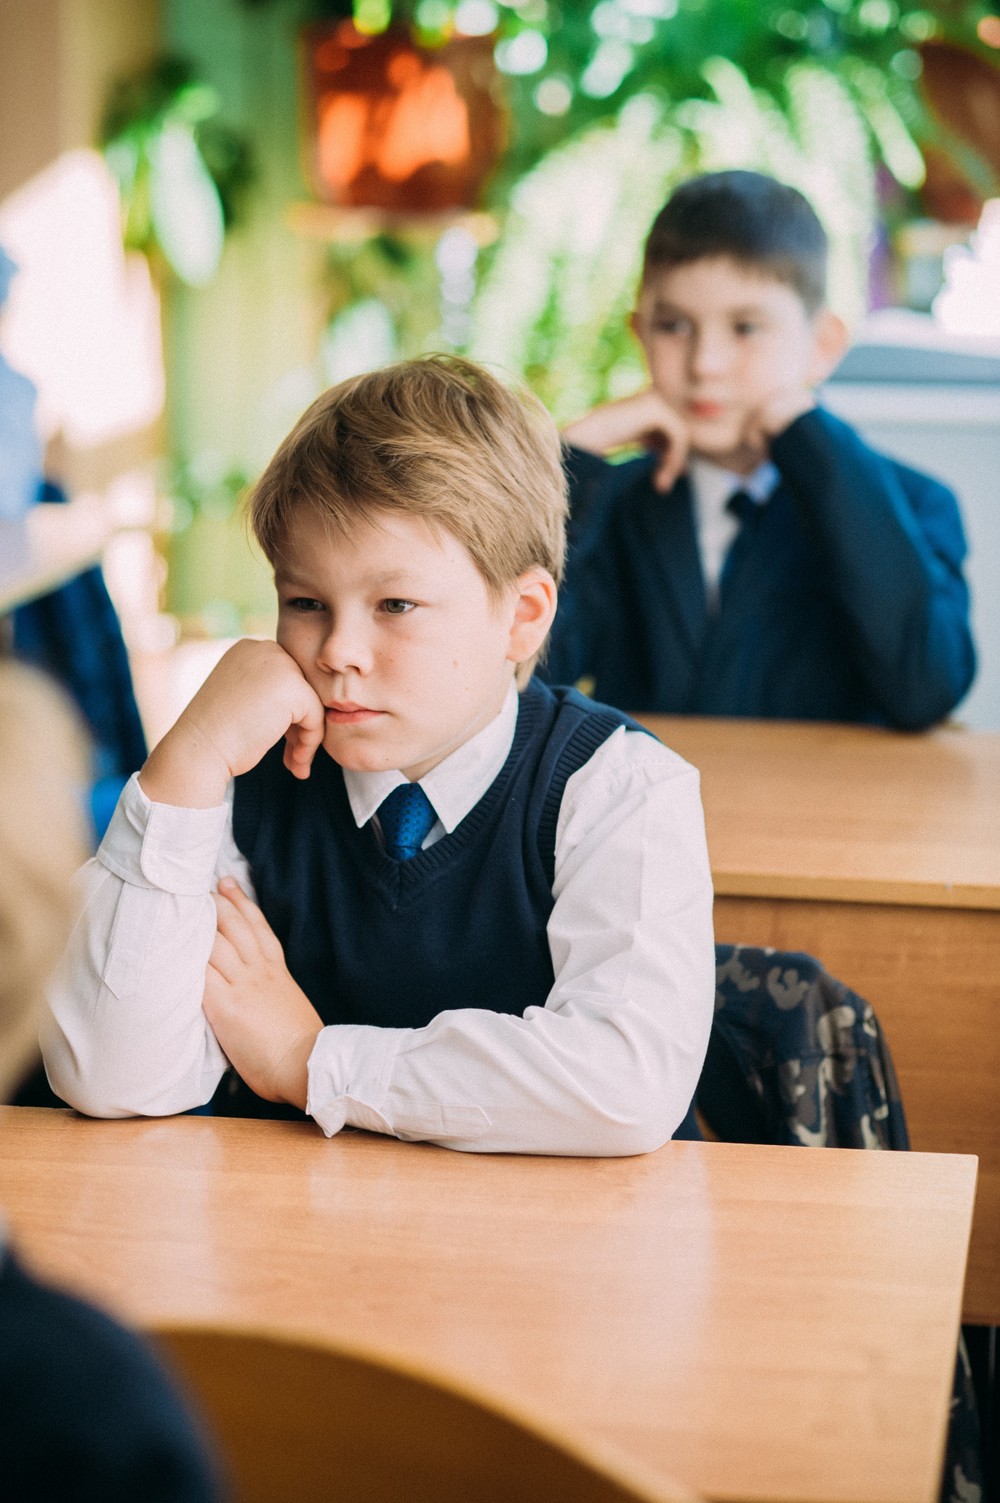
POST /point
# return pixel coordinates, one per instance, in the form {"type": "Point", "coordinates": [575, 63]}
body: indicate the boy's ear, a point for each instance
{"type": "Point", "coordinates": [830, 341]}
{"type": "Point", "coordinates": [534, 611]}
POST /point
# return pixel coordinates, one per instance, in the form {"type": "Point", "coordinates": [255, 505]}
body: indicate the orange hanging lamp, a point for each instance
{"type": "Point", "coordinates": [395, 126]}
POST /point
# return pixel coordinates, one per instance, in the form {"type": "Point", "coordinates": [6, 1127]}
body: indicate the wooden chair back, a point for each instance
{"type": "Point", "coordinates": [304, 1420]}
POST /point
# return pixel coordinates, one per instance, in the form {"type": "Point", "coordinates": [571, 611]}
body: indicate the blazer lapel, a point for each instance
{"type": "Point", "coordinates": [668, 532]}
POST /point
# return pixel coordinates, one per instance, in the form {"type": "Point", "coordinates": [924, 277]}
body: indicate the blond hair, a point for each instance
{"type": "Point", "coordinates": [42, 842]}
{"type": "Point", "coordinates": [438, 438]}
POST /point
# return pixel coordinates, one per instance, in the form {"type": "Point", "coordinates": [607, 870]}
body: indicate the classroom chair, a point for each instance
{"type": "Point", "coordinates": [307, 1420]}
{"type": "Point", "coordinates": [796, 1057]}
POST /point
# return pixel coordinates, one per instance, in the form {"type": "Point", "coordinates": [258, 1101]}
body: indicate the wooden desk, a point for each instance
{"type": "Point", "coordinates": [879, 853]}
{"type": "Point", "coordinates": [760, 1323]}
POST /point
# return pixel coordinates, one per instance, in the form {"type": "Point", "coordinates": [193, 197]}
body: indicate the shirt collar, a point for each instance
{"type": "Point", "coordinates": [712, 481]}
{"type": "Point", "coordinates": [456, 784]}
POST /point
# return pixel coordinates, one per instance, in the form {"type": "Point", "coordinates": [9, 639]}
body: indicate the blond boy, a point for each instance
{"type": "Point", "coordinates": [520, 960]}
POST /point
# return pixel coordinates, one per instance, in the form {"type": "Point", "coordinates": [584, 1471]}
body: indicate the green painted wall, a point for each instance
{"type": "Point", "coordinates": [242, 352]}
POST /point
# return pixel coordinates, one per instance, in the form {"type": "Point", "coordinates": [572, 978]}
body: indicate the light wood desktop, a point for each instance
{"type": "Point", "coordinates": [755, 1322]}
{"type": "Point", "coordinates": [879, 853]}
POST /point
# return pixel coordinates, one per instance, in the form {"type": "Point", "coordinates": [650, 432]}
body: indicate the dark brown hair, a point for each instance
{"type": "Point", "coordinates": [752, 219]}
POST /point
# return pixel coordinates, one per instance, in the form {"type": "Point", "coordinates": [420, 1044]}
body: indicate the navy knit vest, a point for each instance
{"type": "Point", "coordinates": [463, 924]}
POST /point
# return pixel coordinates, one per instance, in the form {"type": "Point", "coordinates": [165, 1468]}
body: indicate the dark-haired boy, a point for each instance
{"type": "Point", "coordinates": [763, 560]}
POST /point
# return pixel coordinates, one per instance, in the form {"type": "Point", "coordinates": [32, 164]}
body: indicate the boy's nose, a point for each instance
{"type": "Point", "coordinates": [345, 649]}
{"type": "Point", "coordinates": [708, 354]}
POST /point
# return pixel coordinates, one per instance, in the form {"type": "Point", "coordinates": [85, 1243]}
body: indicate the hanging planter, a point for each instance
{"type": "Point", "coordinates": [396, 126]}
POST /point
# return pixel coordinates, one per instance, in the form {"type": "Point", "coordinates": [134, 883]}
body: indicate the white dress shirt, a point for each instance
{"type": "Point", "coordinates": [716, 528]}
{"type": "Point", "coordinates": [609, 1064]}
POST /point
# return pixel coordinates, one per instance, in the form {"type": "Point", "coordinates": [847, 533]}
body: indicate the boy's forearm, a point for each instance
{"type": "Point", "coordinates": [185, 770]}
{"type": "Point", "coordinates": [255, 695]}
{"type": "Point", "coordinates": [128, 1035]}
{"type": "Point", "coordinates": [623, 422]}
{"type": "Point", "coordinates": [643, 419]}
{"type": "Point", "coordinates": [599, 432]}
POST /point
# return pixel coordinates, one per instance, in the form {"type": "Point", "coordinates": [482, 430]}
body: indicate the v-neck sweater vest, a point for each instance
{"type": "Point", "coordinates": [462, 924]}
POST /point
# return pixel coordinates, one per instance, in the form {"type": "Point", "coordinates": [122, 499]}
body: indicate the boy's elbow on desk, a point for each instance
{"type": "Point", "coordinates": [644, 1135]}
{"type": "Point", "coordinates": [107, 1073]}
{"type": "Point", "coordinates": [95, 1093]}
{"type": "Point", "coordinates": [654, 1119]}
{"type": "Point", "coordinates": [636, 1115]}
{"type": "Point", "coordinates": [81, 1087]}
{"type": "Point", "coordinates": [86, 1101]}
{"type": "Point", "coordinates": [929, 691]}
{"type": "Point", "coordinates": [642, 1124]}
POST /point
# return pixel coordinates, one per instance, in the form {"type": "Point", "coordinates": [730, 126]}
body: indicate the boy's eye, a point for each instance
{"type": "Point", "coordinates": [747, 326]}
{"type": "Point", "coordinates": [397, 607]}
{"type": "Point", "coordinates": [304, 603]}
{"type": "Point", "coordinates": [670, 326]}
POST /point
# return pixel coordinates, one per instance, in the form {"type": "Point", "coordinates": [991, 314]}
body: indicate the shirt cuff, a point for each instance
{"type": "Point", "coordinates": [349, 1071]}
{"type": "Point", "coordinates": [162, 846]}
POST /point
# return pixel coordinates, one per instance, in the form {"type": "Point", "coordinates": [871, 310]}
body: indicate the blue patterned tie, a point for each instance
{"type": "Point", "coordinates": [405, 816]}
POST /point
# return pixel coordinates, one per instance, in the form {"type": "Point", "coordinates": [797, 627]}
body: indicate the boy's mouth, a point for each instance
{"type": "Point", "coordinates": [349, 713]}
{"type": "Point", "coordinates": [701, 409]}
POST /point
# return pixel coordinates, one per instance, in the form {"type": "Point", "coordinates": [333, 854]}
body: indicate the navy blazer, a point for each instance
{"type": "Point", "coordinates": [845, 598]}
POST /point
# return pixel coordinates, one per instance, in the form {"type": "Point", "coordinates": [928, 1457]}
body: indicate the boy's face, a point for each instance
{"type": "Point", "coordinates": [722, 342]}
{"type": "Point", "coordinates": [395, 630]}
